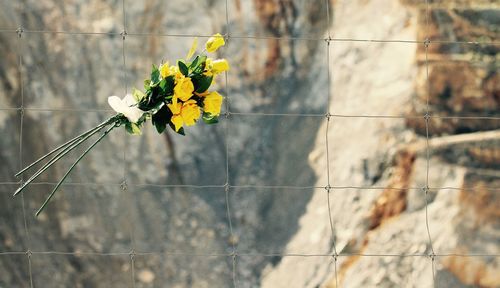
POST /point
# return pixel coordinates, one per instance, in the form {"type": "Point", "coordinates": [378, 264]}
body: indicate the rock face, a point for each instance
{"type": "Point", "coordinates": [164, 196]}
{"type": "Point", "coordinates": [390, 156]}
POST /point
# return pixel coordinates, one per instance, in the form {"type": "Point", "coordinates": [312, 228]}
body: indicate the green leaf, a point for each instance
{"type": "Point", "coordinates": [155, 75]}
{"type": "Point", "coordinates": [197, 66]}
{"type": "Point", "coordinates": [194, 63]}
{"type": "Point", "coordinates": [147, 84]}
{"type": "Point", "coordinates": [197, 62]}
{"type": "Point", "coordinates": [154, 97]}
{"type": "Point", "coordinates": [138, 95]}
{"type": "Point", "coordinates": [183, 68]}
{"type": "Point", "coordinates": [163, 84]}
{"type": "Point", "coordinates": [132, 128]}
{"type": "Point", "coordinates": [209, 118]}
{"type": "Point", "coordinates": [169, 86]}
{"type": "Point", "coordinates": [161, 118]}
{"type": "Point", "coordinates": [202, 83]}
{"type": "Point", "coordinates": [143, 104]}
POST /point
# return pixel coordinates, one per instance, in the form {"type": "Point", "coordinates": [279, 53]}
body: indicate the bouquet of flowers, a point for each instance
{"type": "Point", "coordinates": [175, 96]}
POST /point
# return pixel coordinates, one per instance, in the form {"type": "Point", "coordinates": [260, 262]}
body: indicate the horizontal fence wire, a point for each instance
{"type": "Point", "coordinates": [243, 254]}
{"type": "Point", "coordinates": [154, 185]}
{"type": "Point", "coordinates": [333, 115]}
{"type": "Point", "coordinates": [257, 37]}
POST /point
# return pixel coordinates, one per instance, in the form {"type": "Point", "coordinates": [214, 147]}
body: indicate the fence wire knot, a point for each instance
{"type": "Point", "coordinates": [335, 257]}
{"type": "Point", "coordinates": [20, 31]}
{"type": "Point", "coordinates": [427, 116]}
{"type": "Point", "coordinates": [124, 34]}
{"type": "Point", "coordinates": [425, 189]}
{"type": "Point", "coordinates": [427, 42]}
{"type": "Point", "coordinates": [132, 254]}
{"type": "Point", "coordinates": [124, 185]}
{"type": "Point", "coordinates": [432, 256]}
{"type": "Point", "coordinates": [29, 253]}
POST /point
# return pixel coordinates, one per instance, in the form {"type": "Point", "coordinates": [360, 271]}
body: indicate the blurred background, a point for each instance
{"type": "Point", "coordinates": [276, 181]}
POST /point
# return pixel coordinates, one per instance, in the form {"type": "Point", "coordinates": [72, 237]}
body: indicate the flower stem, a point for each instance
{"type": "Point", "coordinates": [73, 166]}
{"type": "Point", "coordinates": [59, 155]}
{"type": "Point", "coordinates": [68, 143]}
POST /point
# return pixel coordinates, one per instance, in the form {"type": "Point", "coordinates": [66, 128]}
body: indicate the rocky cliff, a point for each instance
{"type": "Point", "coordinates": [164, 197]}
{"type": "Point", "coordinates": [390, 154]}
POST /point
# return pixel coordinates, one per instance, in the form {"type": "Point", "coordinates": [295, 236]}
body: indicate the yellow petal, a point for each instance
{"type": "Point", "coordinates": [184, 88]}
{"type": "Point", "coordinates": [214, 43]}
{"type": "Point", "coordinates": [175, 107]}
{"type": "Point", "coordinates": [165, 70]}
{"type": "Point", "coordinates": [208, 63]}
{"type": "Point", "coordinates": [219, 66]}
{"type": "Point", "coordinates": [177, 121]}
{"type": "Point", "coordinates": [190, 113]}
{"type": "Point", "coordinates": [212, 103]}
{"type": "Point", "coordinates": [193, 49]}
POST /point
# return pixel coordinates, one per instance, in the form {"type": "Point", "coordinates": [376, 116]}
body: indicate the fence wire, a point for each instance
{"type": "Point", "coordinates": [233, 256]}
{"type": "Point", "coordinates": [427, 117]}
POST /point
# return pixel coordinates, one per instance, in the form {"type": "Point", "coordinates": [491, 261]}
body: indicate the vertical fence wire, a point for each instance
{"type": "Point", "coordinates": [20, 41]}
{"type": "Point", "coordinates": [124, 185]}
{"type": "Point", "coordinates": [328, 119]}
{"type": "Point", "coordinates": [227, 188]}
{"type": "Point", "coordinates": [427, 118]}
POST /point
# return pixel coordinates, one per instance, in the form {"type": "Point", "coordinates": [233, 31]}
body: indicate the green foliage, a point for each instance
{"type": "Point", "coordinates": [138, 95]}
{"type": "Point", "coordinates": [183, 68]}
{"type": "Point", "coordinates": [198, 64]}
{"type": "Point", "coordinates": [202, 82]}
{"type": "Point", "coordinates": [161, 118]}
{"type": "Point", "coordinates": [147, 84]}
{"type": "Point", "coordinates": [133, 128]}
{"type": "Point", "coordinates": [162, 85]}
{"type": "Point", "coordinates": [209, 118]}
{"type": "Point", "coordinates": [169, 86]}
{"type": "Point", "coordinates": [155, 76]}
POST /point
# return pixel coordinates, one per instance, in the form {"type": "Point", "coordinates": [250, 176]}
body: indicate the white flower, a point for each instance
{"type": "Point", "coordinates": [126, 106]}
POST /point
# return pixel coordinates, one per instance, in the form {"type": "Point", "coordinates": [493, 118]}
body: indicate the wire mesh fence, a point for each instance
{"type": "Point", "coordinates": [328, 117]}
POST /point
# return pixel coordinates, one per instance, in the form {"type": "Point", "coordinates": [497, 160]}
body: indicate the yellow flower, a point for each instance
{"type": "Point", "coordinates": [214, 43]}
{"type": "Point", "coordinates": [184, 113]}
{"type": "Point", "coordinates": [190, 112]}
{"type": "Point", "coordinates": [214, 67]}
{"type": "Point", "coordinates": [165, 70]}
{"type": "Point", "coordinates": [174, 70]}
{"type": "Point", "coordinates": [219, 66]}
{"type": "Point", "coordinates": [184, 88]}
{"type": "Point", "coordinates": [177, 121]}
{"type": "Point", "coordinates": [208, 67]}
{"type": "Point", "coordinates": [212, 103]}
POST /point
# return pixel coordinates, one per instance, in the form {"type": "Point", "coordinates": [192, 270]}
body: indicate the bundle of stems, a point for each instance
{"type": "Point", "coordinates": [64, 149]}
